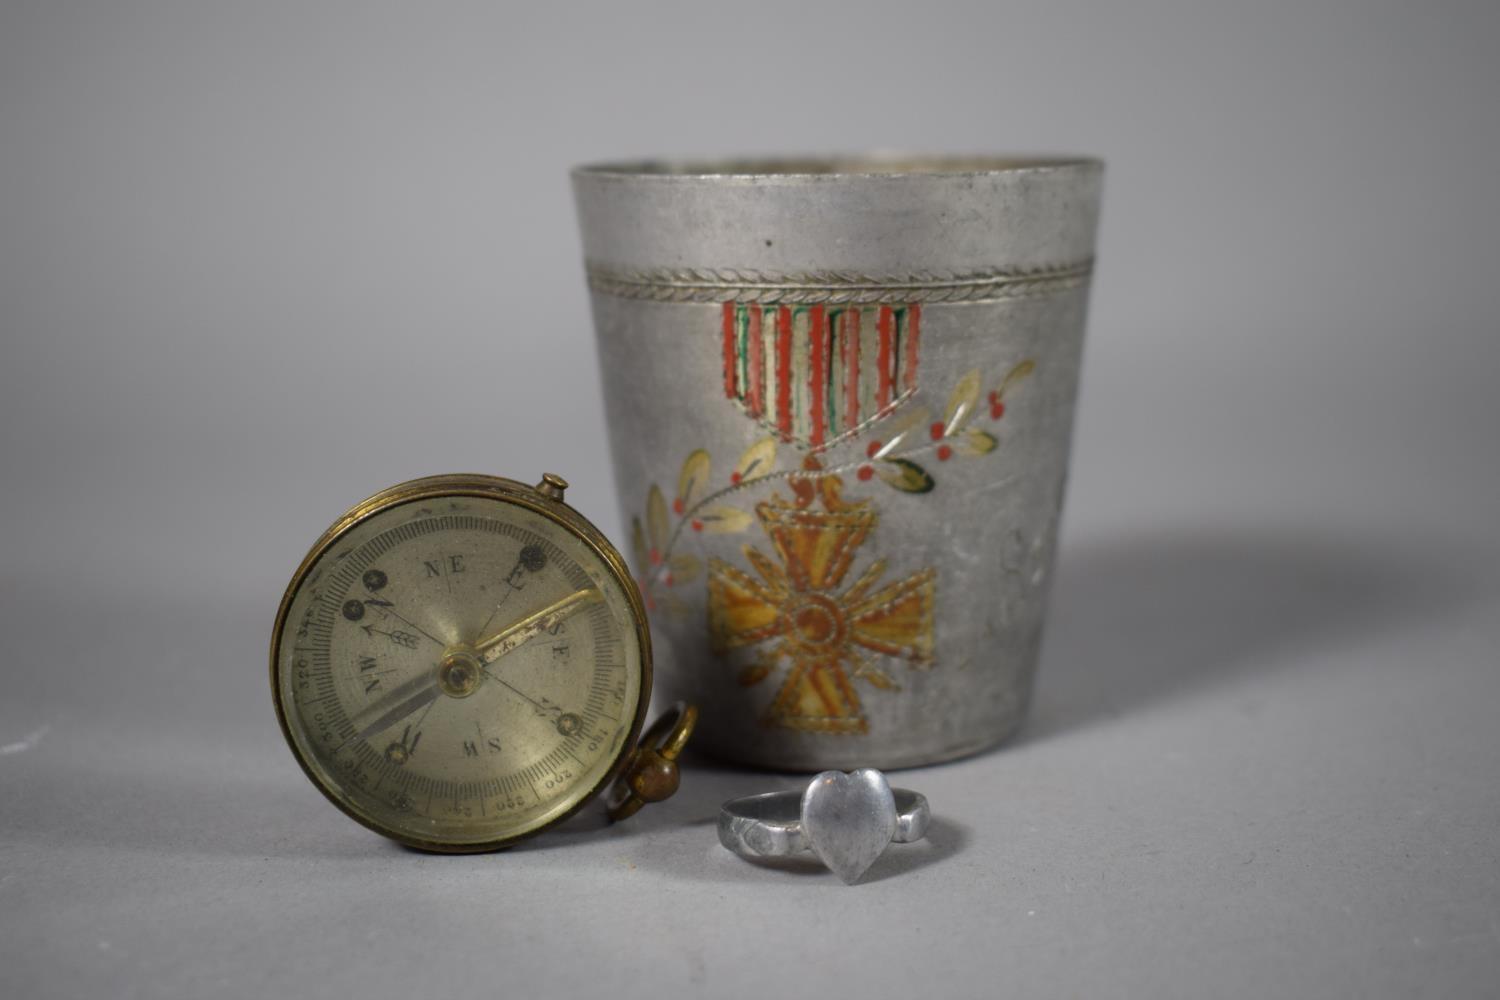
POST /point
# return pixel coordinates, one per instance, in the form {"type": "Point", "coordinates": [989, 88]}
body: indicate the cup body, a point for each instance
{"type": "Point", "coordinates": [840, 397]}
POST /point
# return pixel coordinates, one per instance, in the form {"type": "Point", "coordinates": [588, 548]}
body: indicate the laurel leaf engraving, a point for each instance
{"type": "Point", "coordinates": [638, 545]}
{"type": "Point", "coordinates": [962, 402]}
{"type": "Point", "coordinates": [757, 460]}
{"type": "Point", "coordinates": [978, 442]}
{"type": "Point", "coordinates": [685, 567]}
{"type": "Point", "coordinates": [657, 524]}
{"type": "Point", "coordinates": [1015, 375]}
{"type": "Point", "coordinates": [722, 520]}
{"type": "Point", "coordinates": [693, 481]}
{"type": "Point", "coordinates": [905, 475]}
{"type": "Point", "coordinates": [901, 429]}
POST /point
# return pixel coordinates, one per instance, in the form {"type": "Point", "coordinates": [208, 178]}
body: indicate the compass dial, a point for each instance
{"type": "Point", "coordinates": [460, 662]}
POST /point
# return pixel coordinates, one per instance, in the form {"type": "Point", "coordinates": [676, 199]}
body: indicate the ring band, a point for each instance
{"type": "Point", "coordinates": [770, 825]}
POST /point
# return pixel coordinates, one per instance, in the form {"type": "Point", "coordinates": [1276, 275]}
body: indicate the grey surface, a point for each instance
{"type": "Point", "coordinates": [235, 240]}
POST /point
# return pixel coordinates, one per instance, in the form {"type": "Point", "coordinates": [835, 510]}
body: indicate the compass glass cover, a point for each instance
{"type": "Point", "coordinates": [458, 671]}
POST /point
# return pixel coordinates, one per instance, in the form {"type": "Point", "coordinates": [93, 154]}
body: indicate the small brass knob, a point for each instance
{"type": "Point", "coordinates": [652, 776]}
{"type": "Point", "coordinates": [552, 486]}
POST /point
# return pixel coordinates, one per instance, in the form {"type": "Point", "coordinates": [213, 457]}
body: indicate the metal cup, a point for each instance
{"type": "Point", "coordinates": [840, 396]}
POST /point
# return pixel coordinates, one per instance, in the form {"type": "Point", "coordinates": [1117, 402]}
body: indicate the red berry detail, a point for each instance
{"type": "Point", "coordinates": [734, 477]}
{"type": "Point", "coordinates": [654, 556]}
{"type": "Point", "coordinates": [937, 431]}
{"type": "Point", "coordinates": [678, 506]}
{"type": "Point", "coordinates": [697, 525]}
{"type": "Point", "coordinates": [997, 410]}
{"type": "Point", "coordinates": [874, 447]}
{"type": "Point", "coordinates": [865, 473]}
{"type": "Point", "coordinates": [667, 579]}
{"type": "Point", "coordinates": [994, 397]}
{"type": "Point", "coordinates": [944, 453]}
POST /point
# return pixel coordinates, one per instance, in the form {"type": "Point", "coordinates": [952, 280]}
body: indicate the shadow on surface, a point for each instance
{"type": "Point", "coordinates": [1142, 620]}
{"type": "Point", "coordinates": [705, 786]}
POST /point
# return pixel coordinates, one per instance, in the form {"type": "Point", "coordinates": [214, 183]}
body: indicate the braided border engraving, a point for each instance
{"type": "Point", "coordinates": [837, 287]}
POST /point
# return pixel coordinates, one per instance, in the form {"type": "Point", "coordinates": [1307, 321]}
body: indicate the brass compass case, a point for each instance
{"type": "Point", "coordinates": [461, 662]}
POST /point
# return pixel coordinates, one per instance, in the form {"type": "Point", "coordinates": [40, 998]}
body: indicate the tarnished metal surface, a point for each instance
{"type": "Point", "coordinates": [840, 403]}
{"type": "Point", "coordinates": [847, 820]}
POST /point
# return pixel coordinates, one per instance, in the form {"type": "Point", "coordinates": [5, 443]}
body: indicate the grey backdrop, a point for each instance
{"type": "Point", "coordinates": [260, 260]}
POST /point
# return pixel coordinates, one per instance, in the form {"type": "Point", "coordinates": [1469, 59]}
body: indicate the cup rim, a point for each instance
{"type": "Point", "coordinates": [837, 166]}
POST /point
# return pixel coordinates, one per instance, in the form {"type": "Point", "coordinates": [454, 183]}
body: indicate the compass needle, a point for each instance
{"type": "Point", "coordinates": [385, 644]}
{"type": "Point", "coordinates": [533, 625]}
{"type": "Point", "coordinates": [395, 706]}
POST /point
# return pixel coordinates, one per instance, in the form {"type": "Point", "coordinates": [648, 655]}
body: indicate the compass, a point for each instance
{"type": "Point", "coordinates": [461, 662]}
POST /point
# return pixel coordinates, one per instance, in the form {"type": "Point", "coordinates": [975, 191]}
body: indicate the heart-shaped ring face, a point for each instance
{"type": "Point", "coordinates": [849, 820]}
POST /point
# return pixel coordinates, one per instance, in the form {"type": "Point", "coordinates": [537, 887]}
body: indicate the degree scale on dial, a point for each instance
{"type": "Point", "coordinates": [429, 691]}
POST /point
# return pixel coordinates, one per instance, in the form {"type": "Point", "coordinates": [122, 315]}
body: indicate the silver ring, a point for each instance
{"type": "Point", "coordinates": [847, 820]}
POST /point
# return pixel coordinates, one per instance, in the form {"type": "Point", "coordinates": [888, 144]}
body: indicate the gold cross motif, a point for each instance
{"type": "Point", "coordinates": [799, 608]}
